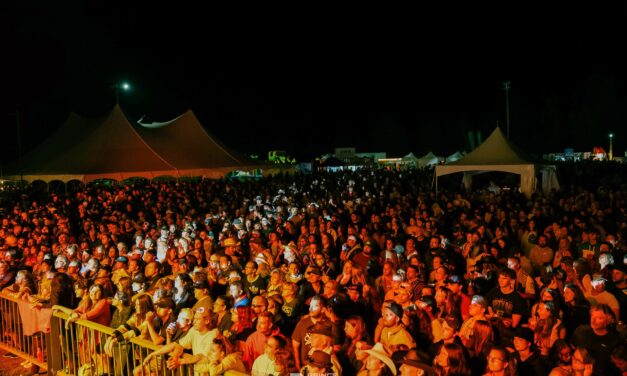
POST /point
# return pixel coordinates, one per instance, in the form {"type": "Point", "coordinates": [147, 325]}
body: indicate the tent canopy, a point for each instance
{"type": "Point", "coordinates": [111, 148]}
{"type": "Point", "coordinates": [497, 153]}
{"type": "Point", "coordinates": [428, 159]}
{"type": "Point", "coordinates": [185, 144]}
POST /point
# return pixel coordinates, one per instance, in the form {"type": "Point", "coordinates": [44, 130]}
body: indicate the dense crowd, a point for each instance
{"type": "Point", "coordinates": [366, 272]}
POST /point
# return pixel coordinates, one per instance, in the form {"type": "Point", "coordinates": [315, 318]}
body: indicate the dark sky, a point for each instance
{"type": "Point", "coordinates": [308, 80]}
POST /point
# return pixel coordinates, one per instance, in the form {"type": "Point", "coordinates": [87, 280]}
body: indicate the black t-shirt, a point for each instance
{"type": "Point", "coordinates": [599, 346]}
{"type": "Point", "coordinates": [506, 305]}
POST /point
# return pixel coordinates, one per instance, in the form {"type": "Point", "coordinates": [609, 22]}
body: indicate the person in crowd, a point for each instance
{"type": "Point", "coordinates": [599, 337]}
{"type": "Point", "coordinates": [583, 362]}
{"type": "Point", "coordinates": [476, 311]}
{"type": "Point", "coordinates": [529, 361]}
{"type": "Point", "coordinates": [255, 343]}
{"type": "Point", "coordinates": [505, 305]}
{"type": "Point", "coordinates": [478, 344]}
{"type": "Point", "coordinates": [266, 363]}
{"type": "Point", "coordinates": [183, 291]}
{"type": "Point", "coordinates": [547, 327]}
{"type": "Point", "coordinates": [23, 287]}
{"type": "Point", "coordinates": [220, 361]}
{"type": "Point", "coordinates": [96, 310]}
{"type": "Point", "coordinates": [202, 295]}
{"type": "Point", "coordinates": [451, 360]}
{"type": "Point", "coordinates": [391, 332]}
{"type": "Point", "coordinates": [183, 324]}
{"type": "Point", "coordinates": [500, 363]}
{"type": "Point", "coordinates": [199, 339]}
{"type": "Point", "coordinates": [561, 359]}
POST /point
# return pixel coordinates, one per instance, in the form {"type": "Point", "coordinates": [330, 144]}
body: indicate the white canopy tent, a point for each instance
{"type": "Point", "coordinates": [410, 160]}
{"type": "Point", "coordinates": [497, 153]}
{"type": "Point", "coordinates": [428, 159]}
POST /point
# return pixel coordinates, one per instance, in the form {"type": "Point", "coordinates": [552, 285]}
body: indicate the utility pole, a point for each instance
{"type": "Point", "coordinates": [506, 87]}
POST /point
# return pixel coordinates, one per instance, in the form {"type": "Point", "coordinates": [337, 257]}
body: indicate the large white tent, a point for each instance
{"type": "Point", "coordinates": [497, 153]}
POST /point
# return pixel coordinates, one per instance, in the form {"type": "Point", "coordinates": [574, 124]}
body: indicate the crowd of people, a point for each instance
{"type": "Point", "coordinates": [352, 273]}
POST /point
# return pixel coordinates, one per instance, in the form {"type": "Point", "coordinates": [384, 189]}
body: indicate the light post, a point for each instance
{"type": "Point", "coordinates": [506, 87]}
{"type": "Point", "coordinates": [116, 88]}
{"type": "Point", "coordinates": [611, 135]}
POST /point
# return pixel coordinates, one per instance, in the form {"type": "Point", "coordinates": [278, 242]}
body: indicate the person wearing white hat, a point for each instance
{"type": "Point", "coordinates": [377, 363]}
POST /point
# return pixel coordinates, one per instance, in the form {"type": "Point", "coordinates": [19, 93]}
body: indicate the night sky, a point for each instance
{"type": "Point", "coordinates": [308, 80]}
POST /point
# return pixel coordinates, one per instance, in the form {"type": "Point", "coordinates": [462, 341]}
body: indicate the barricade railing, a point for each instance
{"type": "Point", "coordinates": [25, 330]}
{"type": "Point", "coordinates": [47, 340]}
{"type": "Point", "coordinates": [81, 352]}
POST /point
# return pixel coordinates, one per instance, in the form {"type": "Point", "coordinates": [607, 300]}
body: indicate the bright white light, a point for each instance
{"type": "Point", "coordinates": [611, 135]}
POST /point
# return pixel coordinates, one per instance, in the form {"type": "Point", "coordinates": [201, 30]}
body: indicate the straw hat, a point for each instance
{"type": "Point", "coordinates": [378, 352]}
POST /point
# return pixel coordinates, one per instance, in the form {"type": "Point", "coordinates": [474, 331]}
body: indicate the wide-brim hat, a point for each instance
{"type": "Point", "coordinates": [230, 242]}
{"type": "Point", "coordinates": [379, 352]}
{"type": "Point", "coordinates": [319, 359]}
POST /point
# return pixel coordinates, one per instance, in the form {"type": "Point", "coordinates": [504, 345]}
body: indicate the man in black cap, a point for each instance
{"type": "Point", "coordinates": [312, 285]}
{"type": "Point", "coordinates": [318, 363]}
{"type": "Point", "coordinates": [529, 360]}
{"type": "Point", "coordinates": [391, 331]}
{"type": "Point", "coordinates": [202, 295]}
{"type": "Point", "coordinates": [164, 308]}
{"type": "Point", "coordinates": [411, 367]}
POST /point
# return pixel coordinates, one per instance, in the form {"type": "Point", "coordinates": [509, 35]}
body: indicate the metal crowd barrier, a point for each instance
{"type": "Point", "coordinates": [77, 348]}
{"type": "Point", "coordinates": [30, 342]}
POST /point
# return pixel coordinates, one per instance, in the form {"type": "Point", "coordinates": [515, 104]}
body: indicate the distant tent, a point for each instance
{"type": "Point", "coordinates": [454, 157]}
{"type": "Point", "coordinates": [90, 149]}
{"type": "Point", "coordinates": [410, 160]}
{"type": "Point", "coordinates": [428, 159]}
{"type": "Point", "coordinates": [111, 148]}
{"type": "Point", "coordinates": [188, 146]}
{"type": "Point", "coordinates": [497, 153]}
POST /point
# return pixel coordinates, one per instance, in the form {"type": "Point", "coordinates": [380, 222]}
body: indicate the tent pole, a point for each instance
{"type": "Point", "coordinates": [435, 179]}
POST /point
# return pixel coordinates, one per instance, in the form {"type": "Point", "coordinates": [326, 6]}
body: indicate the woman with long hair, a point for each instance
{"type": "Point", "coordinates": [548, 327]}
{"type": "Point", "coordinates": [242, 327]}
{"type": "Point", "coordinates": [561, 359]}
{"type": "Point", "coordinates": [451, 361]}
{"type": "Point", "coordinates": [576, 308]}
{"type": "Point", "coordinates": [97, 309]}
{"type": "Point", "coordinates": [478, 344]}
{"type": "Point", "coordinates": [285, 363]}
{"type": "Point", "coordinates": [500, 363]}
{"type": "Point", "coordinates": [346, 277]}
{"type": "Point", "coordinates": [183, 291]}
{"type": "Point", "coordinates": [583, 362]}
{"type": "Point", "coordinates": [356, 336]}
{"type": "Point", "coordinates": [446, 303]}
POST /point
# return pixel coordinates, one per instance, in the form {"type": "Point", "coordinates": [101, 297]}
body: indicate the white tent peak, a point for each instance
{"type": "Point", "coordinates": [497, 153]}
{"type": "Point", "coordinates": [497, 149]}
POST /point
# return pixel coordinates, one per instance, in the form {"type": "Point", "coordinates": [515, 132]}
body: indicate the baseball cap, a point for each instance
{"type": "Point", "coordinates": [455, 279]}
{"type": "Point", "coordinates": [121, 259]}
{"type": "Point", "coordinates": [202, 284]}
{"type": "Point", "coordinates": [319, 359]}
{"type": "Point", "coordinates": [165, 302]}
{"type": "Point", "coordinates": [395, 308]}
{"type": "Point", "coordinates": [323, 329]}
{"type": "Point", "coordinates": [524, 333]}
{"type": "Point", "coordinates": [480, 300]}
